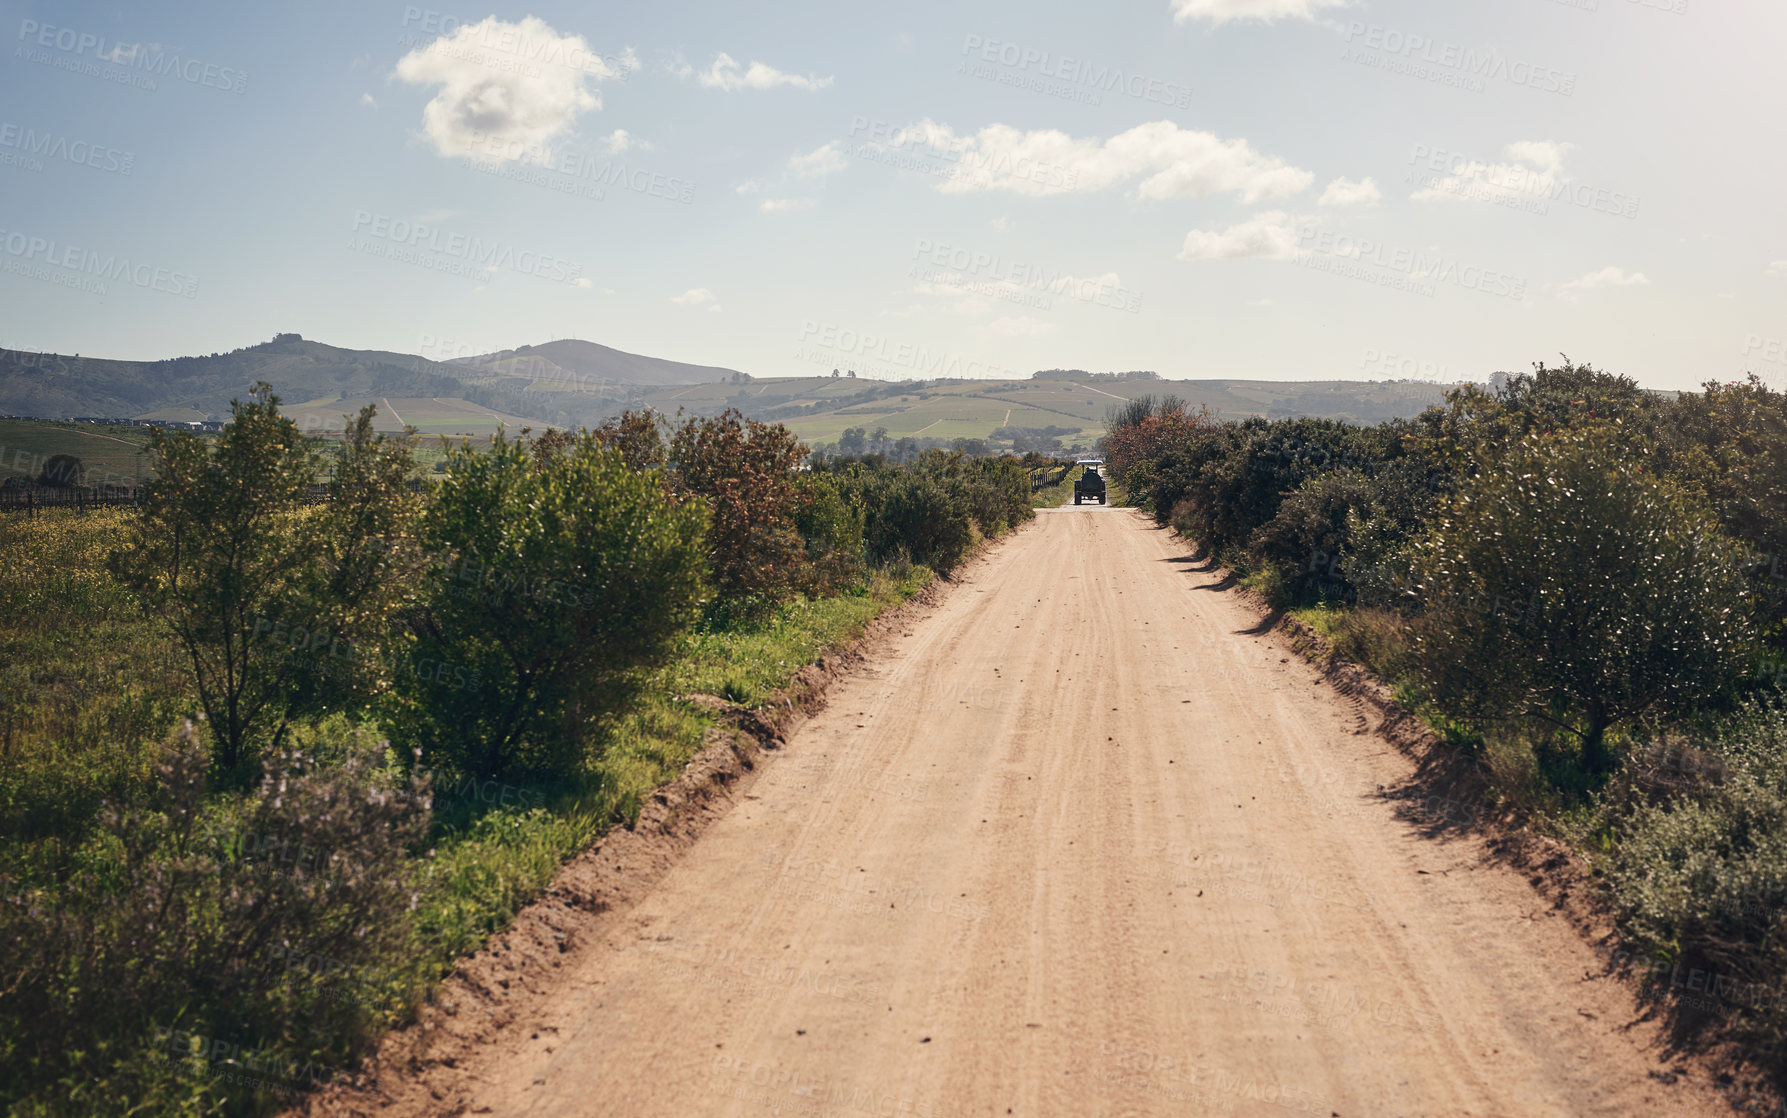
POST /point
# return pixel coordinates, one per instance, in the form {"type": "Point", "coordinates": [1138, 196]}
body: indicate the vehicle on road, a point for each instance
{"type": "Point", "coordinates": [1089, 485]}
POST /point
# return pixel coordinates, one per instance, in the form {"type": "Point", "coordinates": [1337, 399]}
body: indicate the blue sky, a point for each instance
{"type": "Point", "coordinates": [1286, 189]}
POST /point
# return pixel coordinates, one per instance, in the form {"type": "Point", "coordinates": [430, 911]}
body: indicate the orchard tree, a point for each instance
{"type": "Point", "coordinates": [1574, 587]}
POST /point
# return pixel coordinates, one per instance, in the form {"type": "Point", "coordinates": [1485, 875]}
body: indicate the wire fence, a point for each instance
{"type": "Point", "coordinates": [32, 499]}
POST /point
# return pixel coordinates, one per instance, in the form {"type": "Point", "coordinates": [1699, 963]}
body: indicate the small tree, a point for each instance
{"type": "Point", "coordinates": [367, 562]}
{"type": "Point", "coordinates": [1573, 587]}
{"type": "Point", "coordinates": [558, 579]}
{"type": "Point", "coordinates": [216, 553]}
{"type": "Point", "coordinates": [272, 604]}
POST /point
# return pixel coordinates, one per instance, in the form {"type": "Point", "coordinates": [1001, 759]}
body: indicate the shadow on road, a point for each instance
{"type": "Point", "coordinates": [1266, 625]}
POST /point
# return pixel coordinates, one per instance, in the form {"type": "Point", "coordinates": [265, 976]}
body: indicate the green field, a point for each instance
{"type": "Point", "coordinates": [819, 409]}
{"type": "Point", "coordinates": [109, 454]}
{"type": "Point", "coordinates": [116, 455]}
{"type": "Point", "coordinates": [430, 415]}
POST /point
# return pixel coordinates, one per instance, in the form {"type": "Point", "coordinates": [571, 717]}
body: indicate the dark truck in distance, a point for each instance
{"type": "Point", "coordinates": [1089, 484]}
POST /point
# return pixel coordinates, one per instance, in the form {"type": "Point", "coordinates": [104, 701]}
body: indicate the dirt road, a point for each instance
{"type": "Point", "coordinates": [1079, 844]}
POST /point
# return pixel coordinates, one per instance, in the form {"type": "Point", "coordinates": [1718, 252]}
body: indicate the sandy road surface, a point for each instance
{"type": "Point", "coordinates": [1080, 845]}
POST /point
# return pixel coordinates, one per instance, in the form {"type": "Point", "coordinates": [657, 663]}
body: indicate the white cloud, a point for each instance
{"type": "Point", "coordinates": [1001, 225]}
{"type": "Point", "coordinates": [1777, 268]}
{"type": "Point", "coordinates": [506, 88]}
{"type": "Point", "coordinates": [969, 297]}
{"type": "Point", "coordinates": [975, 295]}
{"type": "Point", "coordinates": [1020, 326]}
{"type": "Point", "coordinates": [1264, 236]}
{"type": "Point", "coordinates": [725, 74]}
{"type": "Point", "coordinates": [696, 297]}
{"type": "Point", "coordinates": [1609, 276]}
{"type": "Point", "coordinates": [621, 140]}
{"type": "Point", "coordinates": [1345, 192]}
{"type": "Point", "coordinates": [366, 99]}
{"type": "Point", "coordinates": [1172, 162]}
{"type": "Point", "coordinates": [783, 205]}
{"type": "Point", "coordinates": [583, 281]}
{"type": "Point", "coordinates": [1265, 11]}
{"type": "Point", "coordinates": [1535, 167]}
{"type": "Point", "coordinates": [819, 162]}
{"type": "Point", "coordinates": [749, 186]}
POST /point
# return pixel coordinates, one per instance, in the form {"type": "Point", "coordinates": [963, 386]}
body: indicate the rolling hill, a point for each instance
{"type": "Point", "coordinates": [571, 383]}
{"type": "Point", "coordinates": [820, 409]}
{"type": "Point", "coordinates": [321, 381]}
{"type": "Point", "coordinates": [570, 364]}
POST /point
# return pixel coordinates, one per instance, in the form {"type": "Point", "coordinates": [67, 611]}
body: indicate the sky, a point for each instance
{"type": "Point", "coordinates": [1275, 189]}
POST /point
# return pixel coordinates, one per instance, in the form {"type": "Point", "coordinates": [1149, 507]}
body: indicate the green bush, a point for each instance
{"type": "Point", "coordinates": [996, 492]}
{"type": "Point", "coordinates": [1700, 870]}
{"type": "Point", "coordinates": [745, 471]}
{"type": "Point", "coordinates": [928, 512]}
{"type": "Point", "coordinates": [274, 606]}
{"type": "Point", "coordinates": [923, 520]}
{"type": "Point", "coordinates": [1307, 536]}
{"type": "Point", "coordinates": [557, 580]}
{"type": "Point", "coordinates": [1573, 587]}
{"type": "Point", "coordinates": [832, 530]}
{"type": "Point", "coordinates": [262, 920]}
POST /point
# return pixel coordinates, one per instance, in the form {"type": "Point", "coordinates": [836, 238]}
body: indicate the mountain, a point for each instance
{"type": "Point", "coordinates": [326, 379]}
{"type": "Point", "coordinates": [574, 362]}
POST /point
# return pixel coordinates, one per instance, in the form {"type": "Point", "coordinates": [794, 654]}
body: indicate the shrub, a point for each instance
{"type": "Point", "coordinates": [745, 472]}
{"type": "Point", "coordinates": [923, 520]}
{"type": "Point", "coordinates": [1731, 443]}
{"type": "Point", "coordinates": [1402, 499]}
{"type": "Point", "coordinates": [833, 532]}
{"type": "Point", "coordinates": [366, 559]}
{"type": "Point", "coordinates": [61, 470]}
{"type": "Point", "coordinates": [556, 582]}
{"type": "Point", "coordinates": [1144, 430]}
{"type": "Point", "coordinates": [257, 918]}
{"type": "Point", "coordinates": [1701, 872]}
{"type": "Point", "coordinates": [1573, 587]}
{"type": "Point", "coordinates": [997, 493]}
{"type": "Point", "coordinates": [1306, 537]}
{"type": "Point", "coordinates": [1137, 410]}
